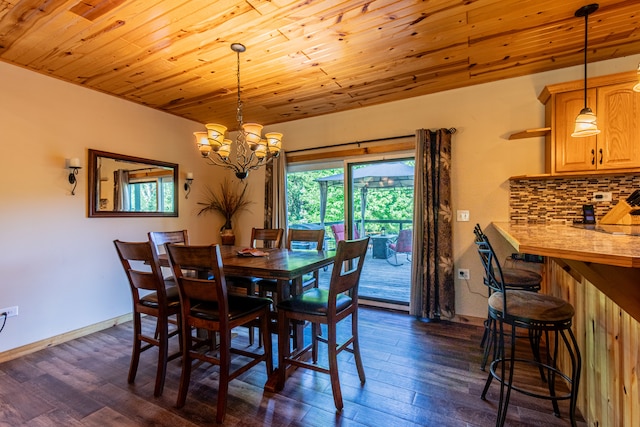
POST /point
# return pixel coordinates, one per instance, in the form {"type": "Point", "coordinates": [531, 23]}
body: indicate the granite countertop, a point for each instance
{"type": "Point", "coordinates": [587, 244]}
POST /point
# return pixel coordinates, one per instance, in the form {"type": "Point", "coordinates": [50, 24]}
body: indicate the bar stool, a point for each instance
{"type": "Point", "coordinates": [541, 315]}
{"type": "Point", "coordinates": [515, 279]}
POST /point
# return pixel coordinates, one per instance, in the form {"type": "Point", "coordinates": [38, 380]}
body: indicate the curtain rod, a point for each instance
{"type": "Point", "coordinates": [451, 130]}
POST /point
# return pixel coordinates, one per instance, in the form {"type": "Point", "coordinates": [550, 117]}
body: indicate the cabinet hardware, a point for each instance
{"type": "Point", "coordinates": [593, 156]}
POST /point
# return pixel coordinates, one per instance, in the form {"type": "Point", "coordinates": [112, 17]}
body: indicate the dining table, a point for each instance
{"type": "Point", "coordinates": [286, 266]}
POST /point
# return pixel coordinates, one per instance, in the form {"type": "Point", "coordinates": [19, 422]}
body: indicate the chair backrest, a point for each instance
{"type": "Point", "coordinates": [270, 237]}
{"type": "Point", "coordinates": [193, 289]}
{"type": "Point", "coordinates": [160, 238]}
{"type": "Point", "coordinates": [494, 278]}
{"type": "Point", "coordinates": [141, 266]}
{"type": "Point", "coordinates": [404, 242]}
{"type": "Point", "coordinates": [347, 267]}
{"type": "Point", "coordinates": [300, 235]}
{"type": "Point", "coordinates": [339, 232]}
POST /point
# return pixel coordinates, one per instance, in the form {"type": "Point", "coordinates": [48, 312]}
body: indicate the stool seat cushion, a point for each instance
{"type": "Point", "coordinates": [532, 307]}
{"type": "Point", "coordinates": [238, 306]}
{"type": "Point", "coordinates": [314, 301]}
{"type": "Point", "coordinates": [173, 298]}
{"type": "Point", "coordinates": [519, 276]}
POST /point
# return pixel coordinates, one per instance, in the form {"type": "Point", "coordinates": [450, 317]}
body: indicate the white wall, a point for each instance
{"type": "Point", "coordinates": [56, 264]}
{"type": "Point", "coordinates": [60, 267]}
{"type": "Point", "coordinates": [483, 158]}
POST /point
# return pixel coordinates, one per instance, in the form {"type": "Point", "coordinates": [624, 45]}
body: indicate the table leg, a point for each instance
{"type": "Point", "coordinates": [285, 290]}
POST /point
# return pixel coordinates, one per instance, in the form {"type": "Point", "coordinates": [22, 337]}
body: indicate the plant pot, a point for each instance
{"type": "Point", "coordinates": [227, 237]}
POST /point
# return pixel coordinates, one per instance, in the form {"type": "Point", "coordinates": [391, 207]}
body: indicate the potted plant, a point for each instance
{"type": "Point", "coordinates": [228, 202]}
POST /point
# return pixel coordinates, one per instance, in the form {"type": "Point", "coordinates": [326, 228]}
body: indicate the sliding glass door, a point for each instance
{"type": "Point", "coordinates": [380, 206]}
{"type": "Point", "coordinates": [375, 200]}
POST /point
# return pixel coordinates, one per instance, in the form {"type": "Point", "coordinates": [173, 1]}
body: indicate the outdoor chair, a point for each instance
{"type": "Point", "coordinates": [401, 245]}
{"type": "Point", "coordinates": [339, 232]}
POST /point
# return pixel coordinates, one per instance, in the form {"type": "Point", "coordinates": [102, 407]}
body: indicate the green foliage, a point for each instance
{"type": "Point", "coordinates": [303, 202]}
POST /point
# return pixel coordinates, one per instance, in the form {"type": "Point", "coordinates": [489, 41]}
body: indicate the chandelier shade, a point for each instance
{"type": "Point", "coordinates": [586, 123]}
{"type": "Point", "coordinates": [250, 149]}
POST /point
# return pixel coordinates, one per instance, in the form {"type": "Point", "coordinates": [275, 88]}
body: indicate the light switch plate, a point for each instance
{"type": "Point", "coordinates": [463, 216]}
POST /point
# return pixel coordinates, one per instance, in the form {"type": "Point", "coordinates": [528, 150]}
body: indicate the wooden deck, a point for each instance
{"type": "Point", "coordinates": [380, 280]}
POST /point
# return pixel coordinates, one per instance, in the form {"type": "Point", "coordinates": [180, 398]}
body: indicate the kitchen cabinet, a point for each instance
{"type": "Point", "coordinates": [618, 144]}
{"type": "Point", "coordinates": [617, 107]}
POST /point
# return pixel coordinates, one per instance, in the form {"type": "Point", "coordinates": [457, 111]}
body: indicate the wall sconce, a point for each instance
{"type": "Point", "coordinates": [187, 184]}
{"type": "Point", "coordinates": [74, 167]}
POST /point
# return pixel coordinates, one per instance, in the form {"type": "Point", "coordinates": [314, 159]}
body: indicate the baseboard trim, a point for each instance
{"type": "Point", "coordinates": [469, 320]}
{"type": "Point", "coordinates": [68, 336]}
{"type": "Point", "coordinates": [59, 339]}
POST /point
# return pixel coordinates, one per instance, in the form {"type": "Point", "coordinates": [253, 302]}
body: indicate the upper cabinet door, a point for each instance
{"type": "Point", "coordinates": [573, 154]}
{"type": "Point", "coordinates": [618, 119]}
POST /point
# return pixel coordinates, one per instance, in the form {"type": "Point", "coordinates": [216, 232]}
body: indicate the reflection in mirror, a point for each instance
{"type": "Point", "coordinates": [127, 186]}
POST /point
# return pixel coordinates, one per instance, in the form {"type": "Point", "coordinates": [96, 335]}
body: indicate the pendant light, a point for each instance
{"type": "Point", "coordinates": [636, 88]}
{"type": "Point", "coordinates": [586, 121]}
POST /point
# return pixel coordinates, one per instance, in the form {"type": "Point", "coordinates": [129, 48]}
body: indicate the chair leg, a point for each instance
{"type": "Point", "coordinates": [535, 338]}
{"type": "Point", "coordinates": [356, 347]}
{"type": "Point", "coordinates": [225, 366]}
{"type": "Point", "coordinates": [163, 355]}
{"type": "Point", "coordinates": [551, 361]}
{"type": "Point", "coordinates": [135, 351]}
{"type": "Point", "coordinates": [488, 342]}
{"type": "Point", "coordinates": [185, 379]}
{"type": "Point", "coordinates": [333, 365]}
{"type": "Point", "coordinates": [576, 366]}
{"type": "Point", "coordinates": [316, 331]}
{"type": "Point", "coordinates": [504, 396]}
{"type": "Point", "coordinates": [185, 376]}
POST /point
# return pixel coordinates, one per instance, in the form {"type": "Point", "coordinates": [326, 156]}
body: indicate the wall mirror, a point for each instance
{"type": "Point", "coordinates": [126, 186]}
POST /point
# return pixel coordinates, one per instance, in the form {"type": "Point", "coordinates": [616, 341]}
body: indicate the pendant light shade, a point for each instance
{"type": "Point", "coordinates": [636, 88]}
{"type": "Point", "coordinates": [586, 124]}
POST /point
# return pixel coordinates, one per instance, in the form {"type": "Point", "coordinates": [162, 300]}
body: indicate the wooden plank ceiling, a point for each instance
{"type": "Point", "coordinates": [304, 57]}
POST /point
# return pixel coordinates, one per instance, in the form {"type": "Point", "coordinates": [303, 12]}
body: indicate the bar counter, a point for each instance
{"type": "Point", "coordinates": [599, 274]}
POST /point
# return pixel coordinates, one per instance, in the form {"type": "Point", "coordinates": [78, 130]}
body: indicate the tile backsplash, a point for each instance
{"type": "Point", "coordinates": [560, 200]}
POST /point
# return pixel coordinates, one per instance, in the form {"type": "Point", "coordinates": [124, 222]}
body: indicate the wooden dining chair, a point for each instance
{"type": "Point", "coordinates": [267, 287]}
{"type": "Point", "coordinates": [160, 238]}
{"type": "Point", "coordinates": [140, 264]}
{"type": "Point", "coordinates": [207, 305]}
{"type": "Point", "coordinates": [328, 307]}
{"type": "Point", "coordinates": [261, 238]}
{"type": "Point", "coordinates": [266, 237]}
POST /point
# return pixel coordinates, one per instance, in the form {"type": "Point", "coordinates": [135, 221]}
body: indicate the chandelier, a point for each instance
{"type": "Point", "coordinates": [251, 150]}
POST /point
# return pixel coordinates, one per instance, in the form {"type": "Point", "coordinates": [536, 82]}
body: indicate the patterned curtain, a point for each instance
{"type": "Point", "coordinates": [275, 194]}
{"type": "Point", "coordinates": [432, 294]}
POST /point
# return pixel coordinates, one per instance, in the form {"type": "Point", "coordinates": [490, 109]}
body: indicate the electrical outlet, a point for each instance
{"type": "Point", "coordinates": [11, 311]}
{"type": "Point", "coordinates": [601, 196]}
{"type": "Point", "coordinates": [463, 273]}
{"type": "Point", "coordinates": [463, 216]}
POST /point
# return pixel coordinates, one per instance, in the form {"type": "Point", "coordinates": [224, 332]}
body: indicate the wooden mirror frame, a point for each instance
{"type": "Point", "coordinates": [94, 207]}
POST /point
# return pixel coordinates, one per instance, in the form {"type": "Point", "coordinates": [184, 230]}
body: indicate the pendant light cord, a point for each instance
{"type": "Point", "coordinates": [586, 41]}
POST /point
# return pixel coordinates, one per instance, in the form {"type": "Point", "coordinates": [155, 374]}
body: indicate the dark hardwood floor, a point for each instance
{"type": "Point", "coordinates": [418, 374]}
